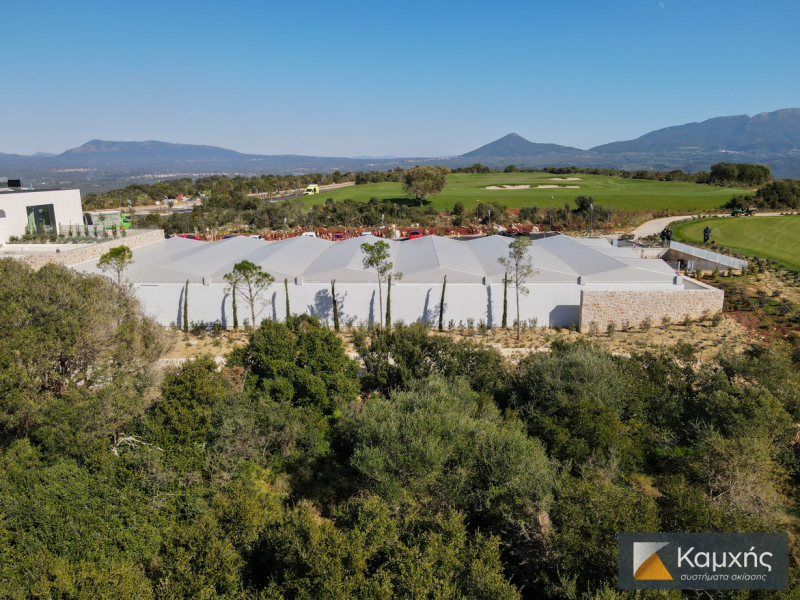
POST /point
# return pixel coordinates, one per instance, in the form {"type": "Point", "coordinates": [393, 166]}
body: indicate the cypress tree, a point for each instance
{"type": "Point", "coordinates": [235, 316]}
{"type": "Point", "coordinates": [389, 304]}
{"type": "Point", "coordinates": [335, 307]}
{"type": "Point", "coordinates": [286, 285]}
{"type": "Point", "coordinates": [505, 301]}
{"type": "Point", "coordinates": [186, 308]}
{"type": "Point", "coordinates": [441, 305]}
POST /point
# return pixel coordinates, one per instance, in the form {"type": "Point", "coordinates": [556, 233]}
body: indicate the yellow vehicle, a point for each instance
{"type": "Point", "coordinates": [311, 190]}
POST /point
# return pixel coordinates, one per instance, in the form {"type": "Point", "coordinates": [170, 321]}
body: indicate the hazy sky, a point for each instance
{"type": "Point", "coordinates": [404, 78]}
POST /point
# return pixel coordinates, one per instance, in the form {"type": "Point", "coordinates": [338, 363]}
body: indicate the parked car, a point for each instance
{"type": "Point", "coordinates": [188, 236]}
{"type": "Point", "coordinates": [366, 234]}
{"type": "Point", "coordinates": [255, 236]}
{"type": "Point", "coordinates": [226, 237]}
{"type": "Point", "coordinates": [414, 234]}
{"type": "Point", "coordinates": [338, 237]}
{"type": "Point", "coordinates": [309, 234]}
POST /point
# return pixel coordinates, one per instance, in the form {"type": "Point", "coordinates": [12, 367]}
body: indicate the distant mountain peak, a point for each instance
{"type": "Point", "coordinates": [150, 150]}
{"type": "Point", "coordinates": [514, 145]}
{"type": "Point", "coordinates": [772, 132]}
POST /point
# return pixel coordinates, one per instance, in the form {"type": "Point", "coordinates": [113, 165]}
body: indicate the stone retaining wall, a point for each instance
{"type": "Point", "coordinates": [79, 255]}
{"type": "Point", "coordinates": [604, 306]}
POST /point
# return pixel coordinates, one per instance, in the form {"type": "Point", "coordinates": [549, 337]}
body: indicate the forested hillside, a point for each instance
{"type": "Point", "coordinates": [442, 470]}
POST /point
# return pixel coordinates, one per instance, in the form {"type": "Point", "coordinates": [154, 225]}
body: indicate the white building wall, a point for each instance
{"type": "Point", "coordinates": [550, 304]}
{"type": "Point", "coordinates": [66, 206]}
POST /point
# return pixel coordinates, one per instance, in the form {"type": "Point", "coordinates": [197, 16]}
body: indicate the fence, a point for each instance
{"type": "Point", "coordinates": [722, 259]}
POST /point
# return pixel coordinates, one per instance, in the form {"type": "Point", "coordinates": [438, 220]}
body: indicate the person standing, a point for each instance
{"type": "Point", "coordinates": [706, 234]}
{"type": "Point", "coordinates": [663, 236]}
{"type": "Point", "coordinates": [669, 235]}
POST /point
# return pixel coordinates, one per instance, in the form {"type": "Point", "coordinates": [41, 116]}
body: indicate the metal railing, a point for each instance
{"type": "Point", "coordinates": [734, 263]}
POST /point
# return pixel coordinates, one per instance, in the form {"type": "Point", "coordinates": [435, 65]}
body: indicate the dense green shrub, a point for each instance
{"type": "Point", "coordinates": [587, 516]}
{"type": "Point", "coordinates": [188, 397]}
{"type": "Point", "coordinates": [581, 404]}
{"type": "Point", "coordinates": [300, 361]}
{"type": "Point", "coordinates": [372, 550]}
{"type": "Point", "coordinates": [438, 443]}
{"type": "Point", "coordinates": [439, 446]}
{"type": "Point", "coordinates": [393, 359]}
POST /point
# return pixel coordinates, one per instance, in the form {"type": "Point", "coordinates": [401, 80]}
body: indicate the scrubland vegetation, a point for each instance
{"type": "Point", "coordinates": [443, 469]}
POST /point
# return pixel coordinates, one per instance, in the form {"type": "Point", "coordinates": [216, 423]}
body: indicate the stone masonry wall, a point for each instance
{"type": "Point", "coordinates": [73, 257]}
{"type": "Point", "coordinates": [604, 306]}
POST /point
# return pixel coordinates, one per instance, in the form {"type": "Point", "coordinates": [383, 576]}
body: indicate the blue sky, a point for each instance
{"type": "Point", "coordinates": [404, 78]}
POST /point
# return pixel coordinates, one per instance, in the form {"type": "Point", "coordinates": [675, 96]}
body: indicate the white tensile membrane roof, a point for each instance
{"type": "Point", "coordinates": [343, 261]}
{"type": "Point", "coordinates": [549, 268]}
{"type": "Point", "coordinates": [286, 259]}
{"type": "Point", "coordinates": [558, 259]}
{"type": "Point", "coordinates": [430, 258]}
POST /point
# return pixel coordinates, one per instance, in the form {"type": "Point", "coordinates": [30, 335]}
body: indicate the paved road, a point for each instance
{"type": "Point", "coordinates": [657, 225]}
{"type": "Point", "coordinates": [322, 190]}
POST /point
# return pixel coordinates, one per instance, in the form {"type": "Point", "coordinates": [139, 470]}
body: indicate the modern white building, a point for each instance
{"type": "Point", "coordinates": [43, 211]}
{"type": "Point", "coordinates": [565, 267]}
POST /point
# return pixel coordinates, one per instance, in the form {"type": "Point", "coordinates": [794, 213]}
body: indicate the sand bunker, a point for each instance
{"type": "Point", "coordinates": [526, 187]}
{"type": "Point", "coordinates": [577, 187]}
{"type": "Point", "coordinates": [565, 179]}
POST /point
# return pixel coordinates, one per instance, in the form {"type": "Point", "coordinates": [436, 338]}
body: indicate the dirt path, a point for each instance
{"type": "Point", "coordinates": [657, 225]}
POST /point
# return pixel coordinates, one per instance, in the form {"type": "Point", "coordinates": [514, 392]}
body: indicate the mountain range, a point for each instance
{"type": "Point", "coordinates": [768, 138]}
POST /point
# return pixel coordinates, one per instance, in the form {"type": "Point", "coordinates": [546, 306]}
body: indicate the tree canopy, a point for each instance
{"type": "Point", "coordinates": [424, 182]}
{"type": "Point", "coordinates": [116, 261]}
{"type": "Point", "coordinates": [300, 362]}
{"type": "Point", "coordinates": [519, 269]}
{"type": "Point", "coordinates": [376, 256]}
{"type": "Point", "coordinates": [250, 283]}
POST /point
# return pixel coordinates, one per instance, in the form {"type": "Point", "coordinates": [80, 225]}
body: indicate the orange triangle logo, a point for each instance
{"type": "Point", "coordinates": [653, 570]}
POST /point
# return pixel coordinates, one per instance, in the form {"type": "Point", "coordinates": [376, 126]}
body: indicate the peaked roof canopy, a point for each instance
{"type": "Point", "coordinates": [558, 259]}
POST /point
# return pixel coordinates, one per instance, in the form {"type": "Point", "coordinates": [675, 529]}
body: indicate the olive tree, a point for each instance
{"type": "Point", "coordinates": [423, 182]}
{"type": "Point", "coordinates": [518, 268]}
{"type": "Point", "coordinates": [250, 283]}
{"type": "Point", "coordinates": [438, 444]}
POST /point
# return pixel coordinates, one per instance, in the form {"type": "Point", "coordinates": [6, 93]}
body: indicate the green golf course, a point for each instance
{"type": "Point", "coordinates": [776, 238]}
{"type": "Point", "coordinates": [619, 193]}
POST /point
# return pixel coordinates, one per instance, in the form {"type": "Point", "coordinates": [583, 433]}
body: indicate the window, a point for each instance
{"type": "Point", "coordinates": [41, 219]}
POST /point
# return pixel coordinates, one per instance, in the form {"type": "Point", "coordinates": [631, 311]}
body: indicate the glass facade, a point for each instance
{"type": "Point", "coordinates": [41, 219]}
